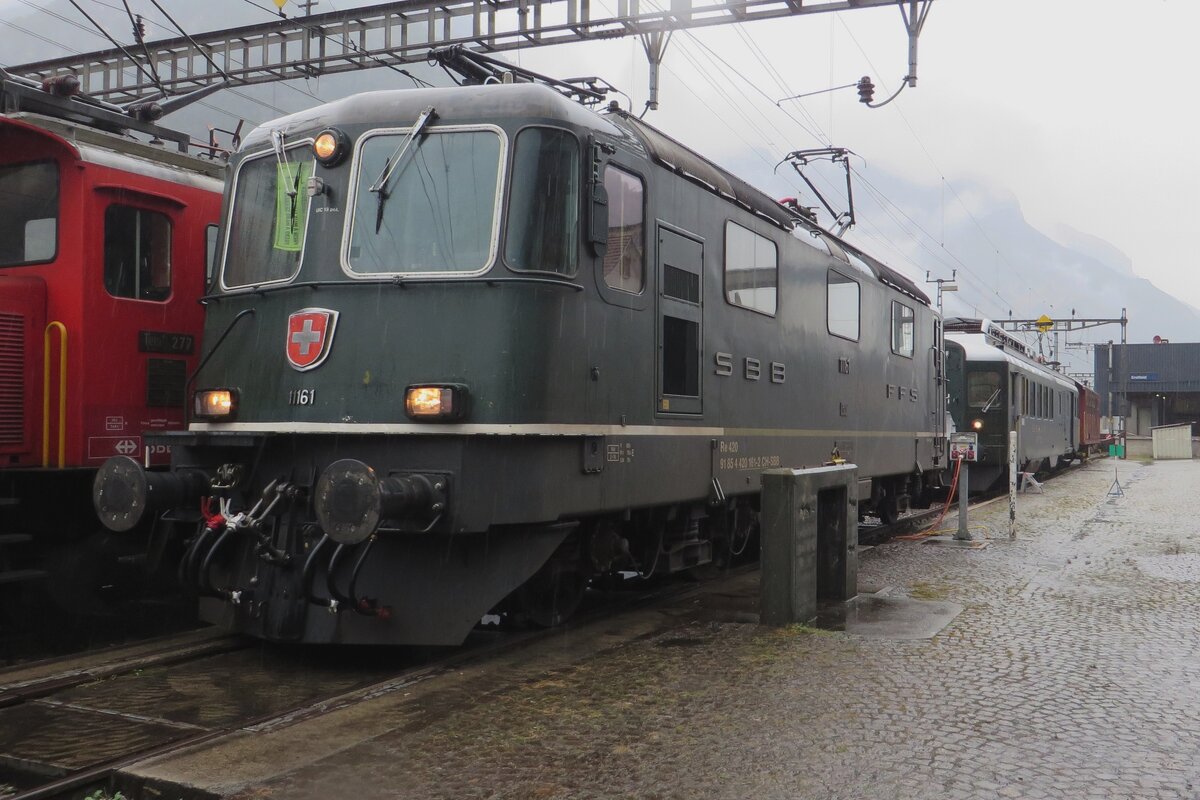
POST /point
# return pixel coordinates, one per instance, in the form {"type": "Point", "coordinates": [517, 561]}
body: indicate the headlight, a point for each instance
{"type": "Point", "coordinates": [977, 424]}
{"type": "Point", "coordinates": [216, 404]}
{"type": "Point", "coordinates": [446, 403]}
{"type": "Point", "coordinates": [330, 147]}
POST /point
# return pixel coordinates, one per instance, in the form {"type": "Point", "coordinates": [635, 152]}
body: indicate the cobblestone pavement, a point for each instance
{"type": "Point", "coordinates": [1069, 674]}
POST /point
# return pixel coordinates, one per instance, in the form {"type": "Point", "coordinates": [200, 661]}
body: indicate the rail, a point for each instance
{"type": "Point", "coordinates": [62, 394]}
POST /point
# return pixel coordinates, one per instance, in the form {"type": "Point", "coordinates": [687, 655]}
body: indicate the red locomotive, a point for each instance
{"type": "Point", "coordinates": [103, 244]}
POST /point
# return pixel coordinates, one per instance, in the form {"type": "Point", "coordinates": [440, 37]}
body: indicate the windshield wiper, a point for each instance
{"type": "Point", "coordinates": [380, 187]}
{"type": "Point", "coordinates": [279, 145]}
{"type": "Point", "coordinates": [990, 400]}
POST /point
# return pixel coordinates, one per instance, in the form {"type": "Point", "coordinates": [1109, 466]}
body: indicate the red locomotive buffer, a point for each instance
{"type": "Point", "coordinates": [103, 245]}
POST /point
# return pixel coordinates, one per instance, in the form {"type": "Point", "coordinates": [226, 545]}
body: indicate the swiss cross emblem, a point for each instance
{"type": "Point", "coordinates": [309, 337]}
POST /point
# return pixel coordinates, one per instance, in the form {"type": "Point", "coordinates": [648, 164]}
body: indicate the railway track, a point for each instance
{"type": "Point", "coordinates": [67, 726]}
{"type": "Point", "coordinates": [918, 520]}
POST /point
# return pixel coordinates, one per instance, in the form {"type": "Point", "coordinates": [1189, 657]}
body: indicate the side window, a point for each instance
{"type": "Point", "coordinates": [210, 254]}
{"type": "Point", "coordinates": [543, 212]}
{"type": "Point", "coordinates": [28, 212]}
{"type": "Point", "coordinates": [751, 270]}
{"type": "Point", "coordinates": [842, 306]}
{"type": "Point", "coordinates": [624, 257]}
{"type": "Point", "coordinates": [137, 253]}
{"type": "Point", "coordinates": [903, 324]}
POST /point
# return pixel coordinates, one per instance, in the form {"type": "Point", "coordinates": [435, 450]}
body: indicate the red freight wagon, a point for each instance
{"type": "Point", "coordinates": [1090, 439]}
{"type": "Point", "coordinates": [103, 251]}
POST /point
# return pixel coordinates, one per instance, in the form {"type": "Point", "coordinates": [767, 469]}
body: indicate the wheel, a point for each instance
{"type": "Point", "coordinates": [551, 596]}
{"type": "Point", "coordinates": [887, 508]}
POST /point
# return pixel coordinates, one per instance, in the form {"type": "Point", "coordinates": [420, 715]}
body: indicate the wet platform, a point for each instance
{"type": "Point", "coordinates": [1061, 664]}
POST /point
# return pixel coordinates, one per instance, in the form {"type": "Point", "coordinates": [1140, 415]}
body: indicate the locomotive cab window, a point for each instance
{"type": "Point", "coordinates": [842, 306]}
{"type": "Point", "coordinates": [28, 213]}
{"type": "Point", "coordinates": [437, 210]}
{"type": "Point", "coordinates": [751, 270]}
{"type": "Point", "coordinates": [983, 389]}
{"type": "Point", "coordinates": [903, 328]}
{"type": "Point", "coordinates": [624, 261]}
{"type": "Point", "coordinates": [137, 253]}
{"type": "Point", "coordinates": [268, 218]}
{"type": "Point", "coordinates": [543, 207]}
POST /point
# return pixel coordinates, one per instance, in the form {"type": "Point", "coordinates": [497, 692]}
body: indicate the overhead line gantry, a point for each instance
{"type": "Point", "coordinates": [395, 33]}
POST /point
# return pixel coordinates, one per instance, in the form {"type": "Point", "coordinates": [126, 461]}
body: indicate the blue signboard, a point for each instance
{"type": "Point", "coordinates": [1144, 376]}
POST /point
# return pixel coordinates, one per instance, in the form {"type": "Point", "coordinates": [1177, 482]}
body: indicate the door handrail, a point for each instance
{"type": "Point", "coordinates": [62, 394]}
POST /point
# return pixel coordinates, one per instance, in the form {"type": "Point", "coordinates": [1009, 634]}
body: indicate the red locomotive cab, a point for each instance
{"type": "Point", "coordinates": [102, 260]}
{"type": "Point", "coordinates": [103, 251]}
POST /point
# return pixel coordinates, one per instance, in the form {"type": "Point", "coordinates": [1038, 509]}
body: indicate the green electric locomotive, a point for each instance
{"type": "Point", "coordinates": [468, 348]}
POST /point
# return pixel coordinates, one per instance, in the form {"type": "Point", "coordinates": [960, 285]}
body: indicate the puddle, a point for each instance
{"type": "Point", "coordinates": [888, 617]}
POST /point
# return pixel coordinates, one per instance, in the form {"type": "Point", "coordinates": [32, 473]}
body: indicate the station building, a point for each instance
{"type": "Point", "coordinates": [1149, 384]}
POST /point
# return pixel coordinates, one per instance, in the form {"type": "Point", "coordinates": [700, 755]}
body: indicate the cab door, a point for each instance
{"type": "Point", "coordinates": [144, 322]}
{"type": "Point", "coordinates": [680, 335]}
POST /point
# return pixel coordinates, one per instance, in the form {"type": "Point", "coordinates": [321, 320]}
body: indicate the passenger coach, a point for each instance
{"type": "Point", "coordinates": [997, 387]}
{"type": "Point", "coordinates": [473, 346]}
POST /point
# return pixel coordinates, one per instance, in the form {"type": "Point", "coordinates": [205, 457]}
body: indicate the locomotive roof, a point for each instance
{"type": "Point", "coordinates": [455, 104]}
{"type": "Point", "coordinates": [473, 104]}
{"type": "Point", "coordinates": [680, 158]}
{"type": "Point", "coordinates": [123, 152]}
{"type": "Point", "coordinates": [976, 348]}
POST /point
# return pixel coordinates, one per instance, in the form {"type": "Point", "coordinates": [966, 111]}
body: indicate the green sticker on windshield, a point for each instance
{"type": "Point", "coordinates": [291, 204]}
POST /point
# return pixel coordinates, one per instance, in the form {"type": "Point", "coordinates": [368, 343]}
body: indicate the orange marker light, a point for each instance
{"type": "Point", "coordinates": [429, 401]}
{"type": "Point", "coordinates": [325, 147]}
{"type": "Point", "coordinates": [330, 147]}
{"type": "Point", "coordinates": [214, 403]}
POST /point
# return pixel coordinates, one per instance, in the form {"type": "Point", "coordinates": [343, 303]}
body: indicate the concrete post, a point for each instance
{"type": "Point", "coordinates": [1012, 484]}
{"type": "Point", "coordinates": [963, 534]}
{"type": "Point", "coordinates": [809, 541]}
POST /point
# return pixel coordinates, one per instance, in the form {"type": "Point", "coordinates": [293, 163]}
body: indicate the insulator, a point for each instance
{"type": "Point", "coordinates": [62, 85]}
{"type": "Point", "coordinates": [866, 90]}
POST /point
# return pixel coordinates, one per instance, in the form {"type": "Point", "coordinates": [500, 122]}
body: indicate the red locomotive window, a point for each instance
{"type": "Point", "coordinates": [28, 213]}
{"type": "Point", "coordinates": [137, 253]}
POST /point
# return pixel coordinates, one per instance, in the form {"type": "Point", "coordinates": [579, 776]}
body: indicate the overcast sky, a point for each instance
{"type": "Point", "coordinates": [1081, 109]}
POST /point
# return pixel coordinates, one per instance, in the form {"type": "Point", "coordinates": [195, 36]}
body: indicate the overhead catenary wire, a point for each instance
{"type": "Point", "coordinates": [818, 135]}
{"type": "Point", "coordinates": [148, 73]}
{"type": "Point", "coordinates": [876, 235]}
{"type": "Point", "coordinates": [236, 93]}
{"type": "Point", "coordinates": [937, 168]}
{"type": "Point", "coordinates": [93, 32]}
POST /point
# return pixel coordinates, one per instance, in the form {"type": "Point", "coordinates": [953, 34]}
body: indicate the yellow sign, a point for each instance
{"type": "Point", "coordinates": [1044, 323]}
{"type": "Point", "coordinates": [280, 4]}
